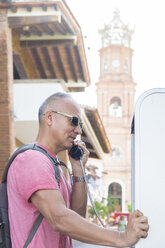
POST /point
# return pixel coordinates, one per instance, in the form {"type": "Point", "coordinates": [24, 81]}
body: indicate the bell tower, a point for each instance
{"type": "Point", "coordinates": [115, 102]}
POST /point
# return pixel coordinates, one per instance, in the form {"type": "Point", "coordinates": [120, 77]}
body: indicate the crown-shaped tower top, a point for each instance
{"type": "Point", "coordinates": [116, 32]}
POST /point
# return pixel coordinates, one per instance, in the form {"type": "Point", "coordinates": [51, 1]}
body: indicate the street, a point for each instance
{"type": "Point", "coordinates": [77, 244]}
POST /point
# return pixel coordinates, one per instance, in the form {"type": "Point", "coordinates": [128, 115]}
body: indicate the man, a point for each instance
{"type": "Point", "coordinates": [33, 189]}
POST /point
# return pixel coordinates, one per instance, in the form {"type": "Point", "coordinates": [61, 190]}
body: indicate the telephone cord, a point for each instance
{"type": "Point", "coordinates": [89, 194]}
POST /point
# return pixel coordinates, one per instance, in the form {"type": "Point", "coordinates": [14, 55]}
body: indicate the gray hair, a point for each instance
{"type": "Point", "coordinates": [49, 101]}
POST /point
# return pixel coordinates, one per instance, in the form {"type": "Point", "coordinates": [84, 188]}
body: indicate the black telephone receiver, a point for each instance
{"type": "Point", "coordinates": [75, 152]}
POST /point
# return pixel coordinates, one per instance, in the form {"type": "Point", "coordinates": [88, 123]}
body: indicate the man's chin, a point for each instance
{"type": "Point", "coordinates": [69, 146]}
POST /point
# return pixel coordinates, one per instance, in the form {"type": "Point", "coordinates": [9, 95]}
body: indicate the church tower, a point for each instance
{"type": "Point", "coordinates": [115, 102]}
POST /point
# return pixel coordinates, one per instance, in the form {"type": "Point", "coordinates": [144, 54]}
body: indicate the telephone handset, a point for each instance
{"type": "Point", "coordinates": [75, 152]}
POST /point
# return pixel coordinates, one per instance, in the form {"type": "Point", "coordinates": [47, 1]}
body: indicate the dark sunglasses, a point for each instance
{"type": "Point", "coordinates": [74, 119]}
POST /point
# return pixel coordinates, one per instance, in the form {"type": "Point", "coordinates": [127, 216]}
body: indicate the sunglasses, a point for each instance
{"type": "Point", "coordinates": [74, 119]}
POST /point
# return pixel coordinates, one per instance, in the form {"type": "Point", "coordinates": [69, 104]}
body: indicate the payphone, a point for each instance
{"type": "Point", "coordinates": [148, 164]}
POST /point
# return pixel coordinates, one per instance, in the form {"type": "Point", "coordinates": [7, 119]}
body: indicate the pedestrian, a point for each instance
{"type": "Point", "coordinates": [33, 189]}
{"type": "Point", "coordinates": [122, 224]}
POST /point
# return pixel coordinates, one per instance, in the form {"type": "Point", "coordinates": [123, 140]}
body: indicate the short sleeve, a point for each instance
{"type": "Point", "coordinates": [33, 171]}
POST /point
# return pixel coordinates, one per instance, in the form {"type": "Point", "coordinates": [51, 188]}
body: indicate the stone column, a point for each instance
{"type": "Point", "coordinates": [7, 138]}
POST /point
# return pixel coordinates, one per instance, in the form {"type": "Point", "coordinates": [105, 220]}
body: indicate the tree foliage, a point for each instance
{"type": "Point", "coordinates": [112, 203]}
{"type": "Point", "coordinates": [103, 208]}
{"type": "Point", "coordinates": [129, 206]}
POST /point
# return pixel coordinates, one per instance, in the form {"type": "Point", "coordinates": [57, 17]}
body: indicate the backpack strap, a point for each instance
{"type": "Point", "coordinates": [34, 230]}
{"type": "Point", "coordinates": [19, 150]}
{"type": "Point", "coordinates": [63, 164]}
{"type": "Point", "coordinates": [69, 173]}
{"type": "Point", "coordinates": [55, 162]}
{"type": "Point", "coordinates": [33, 146]}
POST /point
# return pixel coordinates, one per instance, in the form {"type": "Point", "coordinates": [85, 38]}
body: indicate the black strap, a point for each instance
{"type": "Point", "coordinates": [19, 150]}
{"type": "Point", "coordinates": [63, 164]}
{"type": "Point", "coordinates": [33, 146]}
{"type": "Point", "coordinates": [34, 230]}
{"type": "Point", "coordinates": [55, 163]}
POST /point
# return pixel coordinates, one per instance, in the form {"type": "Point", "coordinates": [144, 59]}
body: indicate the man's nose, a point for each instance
{"type": "Point", "coordinates": [78, 129]}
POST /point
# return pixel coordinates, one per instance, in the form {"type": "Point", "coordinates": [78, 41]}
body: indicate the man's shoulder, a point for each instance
{"type": "Point", "coordinates": [31, 154]}
{"type": "Point", "coordinates": [30, 158]}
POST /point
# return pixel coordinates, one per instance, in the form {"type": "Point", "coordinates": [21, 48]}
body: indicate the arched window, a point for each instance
{"type": "Point", "coordinates": [115, 191]}
{"type": "Point", "coordinates": [115, 108]}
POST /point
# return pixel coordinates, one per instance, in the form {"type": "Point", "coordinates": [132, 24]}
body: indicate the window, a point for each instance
{"type": "Point", "coordinates": [115, 191]}
{"type": "Point", "coordinates": [115, 109]}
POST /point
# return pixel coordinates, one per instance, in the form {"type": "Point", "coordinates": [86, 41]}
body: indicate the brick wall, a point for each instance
{"type": "Point", "coordinates": [6, 94]}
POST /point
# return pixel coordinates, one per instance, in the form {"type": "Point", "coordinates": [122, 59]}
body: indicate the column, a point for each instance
{"type": "Point", "coordinates": [7, 138]}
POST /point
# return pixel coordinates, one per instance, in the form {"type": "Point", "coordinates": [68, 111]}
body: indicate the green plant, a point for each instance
{"type": "Point", "coordinates": [102, 210]}
{"type": "Point", "coordinates": [112, 203]}
{"type": "Point", "coordinates": [129, 206]}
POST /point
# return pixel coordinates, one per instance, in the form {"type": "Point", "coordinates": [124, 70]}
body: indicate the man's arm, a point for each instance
{"type": "Point", "coordinates": [79, 198]}
{"type": "Point", "coordinates": [79, 194]}
{"type": "Point", "coordinates": [51, 204]}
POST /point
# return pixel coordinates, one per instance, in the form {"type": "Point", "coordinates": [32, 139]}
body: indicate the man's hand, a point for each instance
{"type": "Point", "coordinates": [137, 228]}
{"type": "Point", "coordinates": [76, 168]}
{"type": "Point", "coordinates": [79, 194]}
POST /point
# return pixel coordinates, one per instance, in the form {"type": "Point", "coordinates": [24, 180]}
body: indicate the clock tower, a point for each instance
{"type": "Point", "coordinates": [115, 102]}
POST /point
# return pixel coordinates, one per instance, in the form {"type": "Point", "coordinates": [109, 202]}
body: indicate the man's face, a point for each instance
{"type": "Point", "coordinates": [63, 131]}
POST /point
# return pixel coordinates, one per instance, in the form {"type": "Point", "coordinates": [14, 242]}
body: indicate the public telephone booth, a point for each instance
{"type": "Point", "coordinates": [148, 164]}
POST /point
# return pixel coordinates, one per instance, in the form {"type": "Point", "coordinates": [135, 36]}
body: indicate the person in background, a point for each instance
{"type": "Point", "coordinates": [33, 189]}
{"type": "Point", "coordinates": [122, 224]}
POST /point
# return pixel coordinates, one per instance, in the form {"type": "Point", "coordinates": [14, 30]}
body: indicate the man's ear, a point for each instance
{"type": "Point", "coordinates": [49, 117]}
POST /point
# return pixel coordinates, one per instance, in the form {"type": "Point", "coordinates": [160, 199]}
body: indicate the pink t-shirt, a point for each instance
{"type": "Point", "coordinates": [29, 172]}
